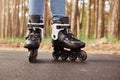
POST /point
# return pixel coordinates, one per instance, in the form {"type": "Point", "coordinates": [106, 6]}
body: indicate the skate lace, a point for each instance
{"type": "Point", "coordinates": [71, 37]}
{"type": "Point", "coordinates": [33, 36]}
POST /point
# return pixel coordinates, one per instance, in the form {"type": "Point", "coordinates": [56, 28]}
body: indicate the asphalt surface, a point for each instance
{"type": "Point", "coordinates": [14, 65]}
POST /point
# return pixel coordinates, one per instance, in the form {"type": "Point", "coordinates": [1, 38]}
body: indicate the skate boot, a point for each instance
{"type": "Point", "coordinates": [33, 39]}
{"type": "Point", "coordinates": [64, 43]}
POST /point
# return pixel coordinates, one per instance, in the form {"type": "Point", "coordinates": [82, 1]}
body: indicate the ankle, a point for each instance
{"type": "Point", "coordinates": [60, 20]}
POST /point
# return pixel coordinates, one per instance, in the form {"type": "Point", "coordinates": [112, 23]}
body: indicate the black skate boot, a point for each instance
{"type": "Point", "coordinates": [33, 39]}
{"type": "Point", "coordinates": [64, 43]}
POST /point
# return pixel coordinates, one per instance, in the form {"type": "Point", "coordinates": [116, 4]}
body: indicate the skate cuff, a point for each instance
{"type": "Point", "coordinates": [59, 26]}
{"type": "Point", "coordinates": [35, 25]}
{"type": "Point", "coordinates": [56, 28]}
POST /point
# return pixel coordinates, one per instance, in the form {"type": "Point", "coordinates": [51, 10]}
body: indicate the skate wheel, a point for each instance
{"type": "Point", "coordinates": [82, 55]}
{"type": "Point", "coordinates": [64, 55]}
{"type": "Point", "coordinates": [55, 55]}
{"type": "Point", "coordinates": [73, 56]}
{"type": "Point", "coordinates": [32, 55]}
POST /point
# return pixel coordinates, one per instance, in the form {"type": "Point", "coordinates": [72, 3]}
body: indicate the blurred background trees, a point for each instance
{"type": "Point", "coordinates": [13, 18]}
{"type": "Point", "coordinates": [88, 18]}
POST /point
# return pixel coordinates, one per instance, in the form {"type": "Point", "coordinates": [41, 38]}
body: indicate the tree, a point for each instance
{"type": "Point", "coordinates": [6, 18]}
{"type": "Point", "coordinates": [88, 19]}
{"type": "Point", "coordinates": [68, 8]}
{"type": "Point", "coordinates": [0, 15]}
{"type": "Point", "coordinates": [96, 18]}
{"type": "Point", "coordinates": [46, 16]}
{"type": "Point", "coordinates": [114, 21]}
{"type": "Point", "coordinates": [82, 14]}
{"type": "Point", "coordinates": [74, 17]}
{"type": "Point", "coordinates": [23, 10]}
{"type": "Point", "coordinates": [10, 25]}
{"type": "Point", "coordinates": [2, 18]}
{"type": "Point", "coordinates": [100, 30]}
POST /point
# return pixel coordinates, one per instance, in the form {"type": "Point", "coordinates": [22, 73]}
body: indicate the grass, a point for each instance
{"type": "Point", "coordinates": [82, 37]}
{"type": "Point", "coordinates": [110, 39]}
{"type": "Point", "coordinates": [16, 39]}
{"type": "Point", "coordinates": [91, 38]}
{"type": "Point", "coordinates": [113, 40]}
{"type": "Point", "coordinates": [49, 39]}
{"type": "Point", "coordinates": [22, 39]}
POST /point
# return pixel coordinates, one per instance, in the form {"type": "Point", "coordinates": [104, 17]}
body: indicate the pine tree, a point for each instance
{"type": "Point", "coordinates": [114, 21]}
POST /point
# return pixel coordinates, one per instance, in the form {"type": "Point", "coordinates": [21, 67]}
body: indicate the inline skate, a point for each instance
{"type": "Point", "coordinates": [64, 43]}
{"type": "Point", "coordinates": [33, 39]}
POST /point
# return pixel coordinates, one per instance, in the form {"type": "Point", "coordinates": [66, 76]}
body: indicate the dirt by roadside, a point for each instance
{"type": "Point", "coordinates": [101, 46]}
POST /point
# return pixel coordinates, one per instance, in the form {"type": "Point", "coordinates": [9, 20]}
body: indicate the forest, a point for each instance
{"type": "Point", "coordinates": [88, 18]}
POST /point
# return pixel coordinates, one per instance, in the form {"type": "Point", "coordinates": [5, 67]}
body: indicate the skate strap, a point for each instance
{"type": "Point", "coordinates": [59, 26]}
{"type": "Point", "coordinates": [35, 25]}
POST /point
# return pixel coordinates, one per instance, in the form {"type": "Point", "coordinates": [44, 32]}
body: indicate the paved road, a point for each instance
{"type": "Point", "coordinates": [14, 66]}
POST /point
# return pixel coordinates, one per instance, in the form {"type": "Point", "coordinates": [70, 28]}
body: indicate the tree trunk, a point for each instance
{"type": "Point", "coordinates": [13, 18]}
{"type": "Point", "coordinates": [74, 17]}
{"type": "Point", "coordinates": [88, 19]}
{"type": "Point", "coordinates": [3, 19]}
{"type": "Point", "coordinates": [9, 18]}
{"type": "Point", "coordinates": [46, 15]}
{"type": "Point", "coordinates": [17, 19]}
{"type": "Point", "coordinates": [67, 9]}
{"type": "Point", "coordinates": [101, 19]}
{"type": "Point", "coordinates": [23, 20]}
{"type": "Point", "coordinates": [6, 19]}
{"type": "Point", "coordinates": [96, 18]}
{"type": "Point", "coordinates": [0, 16]}
{"type": "Point", "coordinates": [82, 14]}
{"type": "Point", "coordinates": [114, 21]}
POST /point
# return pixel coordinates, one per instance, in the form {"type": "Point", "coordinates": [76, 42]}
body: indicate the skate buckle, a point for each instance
{"type": "Point", "coordinates": [35, 26]}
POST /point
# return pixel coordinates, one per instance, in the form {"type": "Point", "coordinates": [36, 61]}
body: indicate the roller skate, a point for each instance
{"type": "Point", "coordinates": [33, 39]}
{"type": "Point", "coordinates": [65, 45]}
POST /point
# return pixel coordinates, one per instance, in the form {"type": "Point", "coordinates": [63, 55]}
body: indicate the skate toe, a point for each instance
{"type": "Point", "coordinates": [31, 44]}
{"type": "Point", "coordinates": [81, 44]}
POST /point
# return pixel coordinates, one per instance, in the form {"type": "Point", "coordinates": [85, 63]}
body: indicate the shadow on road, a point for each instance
{"type": "Point", "coordinates": [44, 61]}
{"type": "Point", "coordinates": [103, 61]}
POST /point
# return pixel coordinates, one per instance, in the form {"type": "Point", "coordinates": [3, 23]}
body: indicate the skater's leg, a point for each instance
{"type": "Point", "coordinates": [58, 8]}
{"type": "Point", "coordinates": [35, 16]}
{"type": "Point", "coordinates": [61, 36]}
{"type": "Point", "coordinates": [35, 26]}
{"type": "Point", "coordinates": [36, 7]}
{"type": "Point", "coordinates": [60, 19]}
